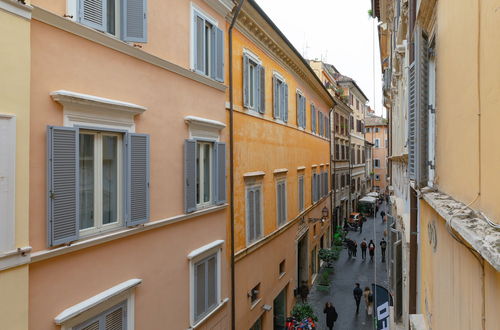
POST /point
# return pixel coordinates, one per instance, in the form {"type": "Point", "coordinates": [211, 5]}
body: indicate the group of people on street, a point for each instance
{"type": "Point", "coordinates": [352, 248]}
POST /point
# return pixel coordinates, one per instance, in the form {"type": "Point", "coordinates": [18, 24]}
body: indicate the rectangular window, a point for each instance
{"type": "Point", "coordinates": [124, 19]}
{"type": "Point", "coordinates": [377, 143]}
{"type": "Point", "coordinates": [357, 104]}
{"type": "Point", "coordinates": [253, 83]}
{"type": "Point", "coordinates": [254, 213]}
{"type": "Point", "coordinates": [281, 202]}
{"type": "Point", "coordinates": [313, 119]}
{"type": "Point", "coordinates": [114, 318]}
{"type": "Point", "coordinates": [204, 171]}
{"type": "Point", "coordinates": [301, 193]}
{"type": "Point", "coordinates": [301, 110]}
{"type": "Point", "coordinates": [377, 177]}
{"type": "Point", "coordinates": [281, 270]}
{"type": "Point", "coordinates": [257, 325]}
{"type": "Point", "coordinates": [280, 99]}
{"type": "Point", "coordinates": [101, 184]}
{"type": "Point", "coordinates": [208, 47]}
{"type": "Point", "coordinates": [377, 129]}
{"type": "Point", "coordinates": [376, 163]}
{"type": "Point", "coordinates": [255, 293]}
{"type": "Point", "coordinates": [7, 183]}
{"type": "Point", "coordinates": [206, 286]}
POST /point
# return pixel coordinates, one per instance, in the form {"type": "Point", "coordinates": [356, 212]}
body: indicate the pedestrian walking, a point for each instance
{"type": "Point", "coordinates": [382, 214]}
{"type": "Point", "coordinates": [304, 291]}
{"type": "Point", "coordinates": [349, 247]}
{"type": "Point", "coordinates": [357, 293]}
{"type": "Point", "coordinates": [331, 315]}
{"type": "Point", "coordinates": [364, 246]}
{"type": "Point", "coordinates": [361, 221]}
{"type": "Point", "coordinates": [367, 294]}
{"type": "Point", "coordinates": [371, 249]}
{"type": "Point", "coordinates": [383, 246]}
{"type": "Point", "coordinates": [376, 210]}
{"type": "Point", "coordinates": [354, 249]}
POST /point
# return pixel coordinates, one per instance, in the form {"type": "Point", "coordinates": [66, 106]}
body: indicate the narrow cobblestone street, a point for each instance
{"type": "Point", "coordinates": [347, 273]}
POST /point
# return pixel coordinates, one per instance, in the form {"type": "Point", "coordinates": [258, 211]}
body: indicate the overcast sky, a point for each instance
{"type": "Point", "coordinates": [339, 32]}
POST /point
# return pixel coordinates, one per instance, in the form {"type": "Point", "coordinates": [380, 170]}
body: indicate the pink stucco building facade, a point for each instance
{"type": "Point", "coordinates": [127, 118]}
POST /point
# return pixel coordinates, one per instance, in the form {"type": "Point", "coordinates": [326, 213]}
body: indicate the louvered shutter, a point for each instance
{"type": "Point", "coordinates": [220, 168]}
{"type": "Point", "coordinates": [92, 13]}
{"type": "Point", "coordinates": [137, 179]}
{"type": "Point", "coordinates": [134, 22]}
{"type": "Point", "coordinates": [115, 320]}
{"type": "Point", "coordinates": [276, 100]}
{"type": "Point", "coordinates": [63, 185]}
{"type": "Point", "coordinates": [262, 89]}
{"type": "Point", "coordinates": [190, 175]}
{"type": "Point", "coordinates": [412, 95]}
{"type": "Point", "coordinates": [199, 43]}
{"type": "Point", "coordinates": [285, 102]}
{"type": "Point", "coordinates": [219, 54]}
{"type": "Point", "coordinates": [313, 118]}
{"type": "Point", "coordinates": [422, 112]}
{"type": "Point", "coordinates": [246, 88]}
{"type": "Point", "coordinates": [257, 212]}
{"type": "Point", "coordinates": [298, 103]}
{"type": "Point", "coordinates": [312, 188]}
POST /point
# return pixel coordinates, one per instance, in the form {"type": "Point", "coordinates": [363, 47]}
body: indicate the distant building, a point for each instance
{"type": "Point", "coordinates": [376, 134]}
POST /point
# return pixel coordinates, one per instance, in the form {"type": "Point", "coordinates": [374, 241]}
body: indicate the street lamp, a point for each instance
{"type": "Point", "coordinates": [324, 213]}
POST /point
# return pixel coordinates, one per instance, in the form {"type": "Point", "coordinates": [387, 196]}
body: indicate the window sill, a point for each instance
{"type": "Point", "coordinates": [206, 317]}
{"type": "Point", "coordinates": [255, 303]}
{"type": "Point", "coordinates": [281, 275]}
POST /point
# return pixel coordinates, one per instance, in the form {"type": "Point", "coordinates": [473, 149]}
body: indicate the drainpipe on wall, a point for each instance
{"type": "Point", "coordinates": [236, 11]}
{"type": "Point", "coordinates": [332, 171]}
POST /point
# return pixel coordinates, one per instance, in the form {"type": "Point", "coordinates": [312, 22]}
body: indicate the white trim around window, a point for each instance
{"type": "Point", "coordinates": [87, 309]}
{"type": "Point", "coordinates": [252, 56]}
{"type": "Point", "coordinates": [250, 223]}
{"type": "Point", "coordinates": [197, 257]}
{"type": "Point", "coordinates": [7, 182]}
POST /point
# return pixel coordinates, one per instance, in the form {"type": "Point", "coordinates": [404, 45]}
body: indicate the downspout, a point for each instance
{"type": "Point", "coordinates": [332, 170]}
{"type": "Point", "coordinates": [236, 11]}
{"type": "Point", "coordinates": [350, 174]}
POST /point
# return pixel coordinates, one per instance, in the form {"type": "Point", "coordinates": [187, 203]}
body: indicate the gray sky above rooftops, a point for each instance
{"type": "Point", "coordinates": [339, 32]}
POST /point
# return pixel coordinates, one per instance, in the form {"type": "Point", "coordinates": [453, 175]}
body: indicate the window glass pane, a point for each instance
{"type": "Point", "coordinates": [86, 181]}
{"type": "Point", "coordinates": [251, 84]}
{"type": "Point", "coordinates": [109, 179]}
{"type": "Point", "coordinates": [206, 174]}
{"type": "Point", "coordinates": [200, 289]}
{"type": "Point", "coordinates": [208, 47]}
{"type": "Point", "coordinates": [258, 229]}
{"type": "Point", "coordinates": [111, 16]}
{"type": "Point", "coordinates": [212, 281]}
{"type": "Point", "coordinates": [251, 216]}
{"type": "Point", "coordinates": [200, 31]}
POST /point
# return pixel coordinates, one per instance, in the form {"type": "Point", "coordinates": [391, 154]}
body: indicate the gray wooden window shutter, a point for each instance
{"type": "Point", "coordinates": [199, 43]}
{"type": "Point", "coordinates": [63, 185]}
{"type": "Point", "coordinates": [285, 102]}
{"type": "Point", "coordinates": [219, 55]}
{"type": "Point", "coordinates": [312, 188]}
{"type": "Point", "coordinates": [220, 168]}
{"type": "Point", "coordinates": [134, 21]}
{"type": "Point", "coordinates": [411, 120]}
{"type": "Point", "coordinates": [422, 112]}
{"type": "Point", "coordinates": [262, 89]}
{"type": "Point", "coordinates": [276, 100]}
{"type": "Point", "coordinates": [313, 118]}
{"type": "Point", "coordinates": [137, 179]}
{"type": "Point", "coordinates": [92, 13]}
{"type": "Point", "coordinates": [114, 318]}
{"type": "Point", "coordinates": [190, 175]}
{"type": "Point", "coordinates": [246, 89]}
{"type": "Point", "coordinates": [298, 105]}
{"type": "Point", "coordinates": [304, 121]}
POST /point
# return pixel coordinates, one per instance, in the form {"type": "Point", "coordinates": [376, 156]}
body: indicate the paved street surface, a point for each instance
{"type": "Point", "coordinates": [347, 273]}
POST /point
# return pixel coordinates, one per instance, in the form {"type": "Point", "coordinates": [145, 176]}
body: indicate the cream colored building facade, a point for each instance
{"type": "Point", "coordinates": [441, 91]}
{"type": "Point", "coordinates": [14, 163]}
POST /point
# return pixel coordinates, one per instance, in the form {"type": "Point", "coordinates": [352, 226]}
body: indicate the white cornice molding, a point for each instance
{"type": "Point", "coordinates": [254, 174]}
{"type": "Point", "coordinates": [206, 248]}
{"type": "Point", "coordinates": [68, 98]}
{"type": "Point", "coordinates": [17, 8]}
{"type": "Point", "coordinates": [208, 123]}
{"type": "Point", "coordinates": [222, 7]}
{"type": "Point", "coordinates": [85, 305]}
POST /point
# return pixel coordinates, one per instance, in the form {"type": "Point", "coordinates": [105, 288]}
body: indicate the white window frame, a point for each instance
{"type": "Point", "coordinates": [248, 188]}
{"type": "Point", "coordinates": [201, 174]}
{"type": "Point", "coordinates": [210, 20]}
{"type": "Point", "coordinates": [377, 129]}
{"type": "Point", "coordinates": [301, 110]}
{"type": "Point", "coordinates": [302, 198]}
{"type": "Point", "coordinates": [377, 143]}
{"type": "Point", "coordinates": [7, 206]}
{"type": "Point", "coordinates": [72, 13]}
{"type": "Point", "coordinates": [281, 112]}
{"type": "Point", "coordinates": [375, 163]}
{"type": "Point", "coordinates": [70, 318]}
{"type": "Point", "coordinates": [200, 254]}
{"type": "Point", "coordinates": [281, 222]}
{"type": "Point", "coordinates": [253, 88]}
{"type": "Point", "coordinates": [99, 227]}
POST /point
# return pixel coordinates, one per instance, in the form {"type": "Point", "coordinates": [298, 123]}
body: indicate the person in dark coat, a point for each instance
{"type": "Point", "coordinates": [361, 224]}
{"type": "Point", "coordinates": [371, 249]}
{"type": "Point", "coordinates": [331, 315]}
{"type": "Point", "coordinates": [383, 246]}
{"type": "Point", "coordinates": [364, 245]}
{"type": "Point", "coordinates": [382, 213]}
{"type": "Point", "coordinates": [357, 293]}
